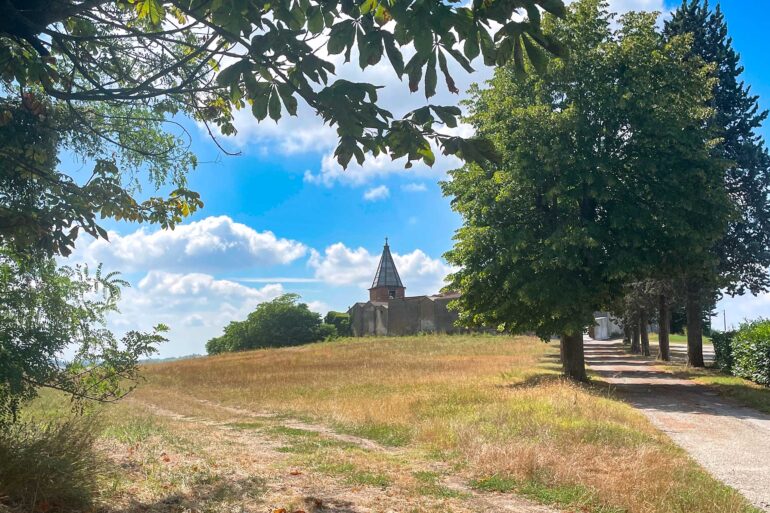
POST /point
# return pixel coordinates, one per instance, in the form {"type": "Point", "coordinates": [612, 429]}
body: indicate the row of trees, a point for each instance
{"type": "Point", "coordinates": [628, 171]}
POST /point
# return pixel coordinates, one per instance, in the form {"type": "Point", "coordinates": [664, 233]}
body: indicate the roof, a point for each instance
{"type": "Point", "coordinates": [387, 275]}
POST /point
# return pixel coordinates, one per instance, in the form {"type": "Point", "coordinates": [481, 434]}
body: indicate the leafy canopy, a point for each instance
{"type": "Point", "coordinates": [600, 155]}
{"type": "Point", "coordinates": [110, 75]}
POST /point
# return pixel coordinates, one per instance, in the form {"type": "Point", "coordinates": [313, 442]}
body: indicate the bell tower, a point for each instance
{"type": "Point", "coordinates": [387, 284]}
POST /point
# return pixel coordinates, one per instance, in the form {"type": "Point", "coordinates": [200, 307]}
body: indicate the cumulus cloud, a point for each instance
{"type": "Point", "coordinates": [212, 244]}
{"type": "Point", "coordinates": [379, 167]}
{"type": "Point", "coordinates": [196, 306]}
{"type": "Point", "coordinates": [414, 187]}
{"type": "Point", "coordinates": [377, 193]}
{"type": "Point", "coordinates": [340, 265]}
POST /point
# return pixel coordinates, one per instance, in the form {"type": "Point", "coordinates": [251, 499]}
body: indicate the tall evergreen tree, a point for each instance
{"type": "Point", "coordinates": [744, 250]}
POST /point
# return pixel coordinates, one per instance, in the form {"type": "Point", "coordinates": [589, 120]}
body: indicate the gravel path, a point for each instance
{"type": "Point", "coordinates": [729, 440]}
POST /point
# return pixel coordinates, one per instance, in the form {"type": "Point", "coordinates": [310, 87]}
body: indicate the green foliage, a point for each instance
{"type": "Point", "coordinates": [45, 310]}
{"type": "Point", "coordinates": [744, 248]}
{"type": "Point", "coordinates": [277, 323]}
{"type": "Point", "coordinates": [723, 349]}
{"type": "Point", "coordinates": [599, 158]}
{"type": "Point", "coordinates": [108, 77]}
{"type": "Point", "coordinates": [751, 351]}
{"type": "Point", "coordinates": [42, 208]}
{"type": "Point", "coordinates": [47, 467]}
{"type": "Point", "coordinates": [341, 322]}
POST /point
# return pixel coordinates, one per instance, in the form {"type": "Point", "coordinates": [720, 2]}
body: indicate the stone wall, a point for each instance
{"type": "Point", "coordinates": [404, 316]}
{"type": "Point", "coordinates": [369, 319]}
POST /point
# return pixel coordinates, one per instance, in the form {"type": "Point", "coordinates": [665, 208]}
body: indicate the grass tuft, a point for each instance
{"type": "Point", "coordinates": [50, 466]}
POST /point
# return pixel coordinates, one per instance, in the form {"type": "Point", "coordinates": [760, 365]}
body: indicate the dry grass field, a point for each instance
{"type": "Point", "coordinates": [413, 424]}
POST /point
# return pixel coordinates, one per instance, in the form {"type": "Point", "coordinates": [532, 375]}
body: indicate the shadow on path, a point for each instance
{"type": "Point", "coordinates": [729, 440]}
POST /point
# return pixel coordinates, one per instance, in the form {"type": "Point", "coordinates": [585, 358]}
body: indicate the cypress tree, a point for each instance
{"type": "Point", "coordinates": [743, 253]}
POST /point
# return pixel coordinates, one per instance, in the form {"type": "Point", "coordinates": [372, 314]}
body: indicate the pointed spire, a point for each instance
{"type": "Point", "coordinates": [387, 275]}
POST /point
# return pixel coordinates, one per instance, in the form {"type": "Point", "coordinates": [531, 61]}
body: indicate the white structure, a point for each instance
{"type": "Point", "coordinates": [606, 327]}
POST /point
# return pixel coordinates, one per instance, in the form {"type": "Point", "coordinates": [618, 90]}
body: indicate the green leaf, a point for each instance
{"type": "Point", "coordinates": [471, 46]}
{"type": "Point", "coordinates": [259, 105]}
{"type": "Point", "coordinates": [289, 101]}
{"type": "Point", "coordinates": [151, 9]}
{"type": "Point", "coordinates": [423, 42]}
{"type": "Point", "coordinates": [394, 54]}
{"type": "Point", "coordinates": [450, 83]}
{"type": "Point", "coordinates": [231, 74]}
{"type": "Point", "coordinates": [536, 55]}
{"type": "Point", "coordinates": [431, 77]}
{"type": "Point", "coordinates": [274, 106]}
{"type": "Point", "coordinates": [315, 20]}
{"type": "Point", "coordinates": [341, 37]}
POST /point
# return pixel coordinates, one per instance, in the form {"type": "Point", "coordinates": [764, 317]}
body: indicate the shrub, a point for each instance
{"type": "Point", "coordinates": [284, 321]}
{"type": "Point", "coordinates": [49, 467]}
{"type": "Point", "coordinates": [341, 321]}
{"type": "Point", "coordinates": [327, 331]}
{"type": "Point", "coordinates": [751, 351]}
{"type": "Point", "coordinates": [723, 349]}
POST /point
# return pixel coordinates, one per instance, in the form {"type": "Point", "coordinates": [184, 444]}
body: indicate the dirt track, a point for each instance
{"type": "Point", "coordinates": [729, 440]}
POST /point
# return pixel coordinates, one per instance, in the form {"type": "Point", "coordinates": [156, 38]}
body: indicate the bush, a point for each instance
{"type": "Point", "coordinates": [49, 467]}
{"type": "Point", "coordinates": [751, 351]}
{"type": "Point", "coordinates": [723, 349]}
{"type": "Point", "coordinates": [327, 331]}
{"type": "Point", "coordinates": [277, 323]}
{"type": "Point", "coordinates": [341, 321]}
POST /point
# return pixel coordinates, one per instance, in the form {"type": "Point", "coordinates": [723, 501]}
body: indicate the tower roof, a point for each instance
{"type": "Point", "coordinates": [387, 275]}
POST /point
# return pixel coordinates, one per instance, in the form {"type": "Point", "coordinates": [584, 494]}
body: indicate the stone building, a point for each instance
{"type": "Point", "coordinates": [390, 312]}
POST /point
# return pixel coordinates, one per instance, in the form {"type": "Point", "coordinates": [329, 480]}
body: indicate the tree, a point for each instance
{"type": "Point", "coordinates": [45, 310]}
{"type": "Point", "coordinates": [600, 155]}
{"type": "Point", "coordinates": [743, 251]}
{"type": "Point", "coordinates": [277, 323]}
{"type": "Point", "coordinates": [341, 322]}
{"type": "Point", "coordinates": [105, 67]}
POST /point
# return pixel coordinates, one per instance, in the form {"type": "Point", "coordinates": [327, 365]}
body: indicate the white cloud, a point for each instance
{"type": "Point", "coordinates": [414, 187]}
{"type": "Point", "coordinates": [340, 265]}
{"type": "Point", "coordinates": [622, 6]}
{"type": "Point", "coordinates": [379, 167]}
{"type": "Point", "coordinates": [214, 243]}
{"type": "Point", "coordinates": [741, 308]}
{"type": "Point", "coordinates": [377, 193]}
{"type": "Point", "coordinates": [195, 306]}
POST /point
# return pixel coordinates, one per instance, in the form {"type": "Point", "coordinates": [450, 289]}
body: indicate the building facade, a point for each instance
{"type": "Point", "coordinates": [390, 312]}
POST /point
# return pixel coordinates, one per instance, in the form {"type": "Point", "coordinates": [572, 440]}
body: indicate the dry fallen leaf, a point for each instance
{"type": "Point", "coordinates": [295, 473]}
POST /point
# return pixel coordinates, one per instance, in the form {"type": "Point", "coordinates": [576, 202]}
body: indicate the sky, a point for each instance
{"type": "Point", "coordinates": [284, 217]}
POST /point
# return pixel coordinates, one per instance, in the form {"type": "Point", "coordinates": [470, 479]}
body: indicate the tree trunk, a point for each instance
{"type": "Point", "coordinates": [664, 322]}
{"type": "Point", "coordinates": [572, 357]}
{"type": "Point", "coordinates": [694, 311]}
{"type": "Point", "coordinates": [645, 334]}
{"type": "Point", "coordinates": [626, 334]}
{"type": "Point", "coordinates": [636, 345]}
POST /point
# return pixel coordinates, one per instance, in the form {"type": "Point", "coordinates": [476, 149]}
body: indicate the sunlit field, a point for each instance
{"type": "Point", "coordinates": [429, 423]}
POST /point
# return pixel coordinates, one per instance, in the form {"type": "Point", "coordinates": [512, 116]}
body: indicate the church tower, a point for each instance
{"type": "Point", "coordinates": [387, 284]}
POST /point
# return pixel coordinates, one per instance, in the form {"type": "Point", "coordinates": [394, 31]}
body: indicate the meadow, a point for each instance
{"type": "Point", "coordinates": [410, 424]}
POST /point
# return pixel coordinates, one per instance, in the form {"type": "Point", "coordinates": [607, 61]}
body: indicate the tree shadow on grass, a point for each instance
{"type": "Point", "coordinates": [244, 494]}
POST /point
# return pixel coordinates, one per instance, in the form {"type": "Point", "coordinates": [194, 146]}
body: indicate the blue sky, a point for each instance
{"type": "Point", "coordinates": [282, 217]}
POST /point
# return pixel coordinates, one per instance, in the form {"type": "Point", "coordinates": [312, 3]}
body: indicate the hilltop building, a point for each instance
{"type": "Point", "coordinates": [390, 312]}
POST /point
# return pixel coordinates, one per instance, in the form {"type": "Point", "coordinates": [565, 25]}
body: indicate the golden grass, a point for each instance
{"type": "Point", "coordinates": [492, 407]}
